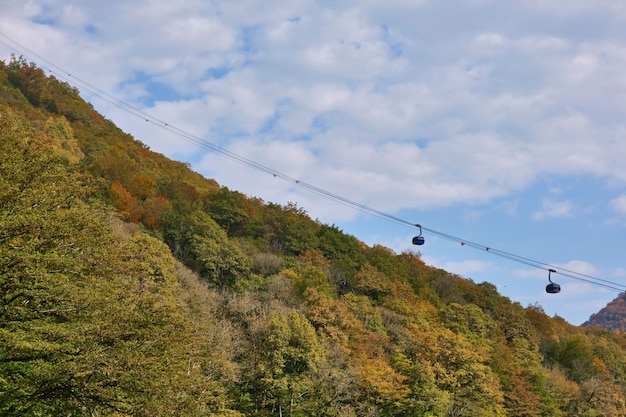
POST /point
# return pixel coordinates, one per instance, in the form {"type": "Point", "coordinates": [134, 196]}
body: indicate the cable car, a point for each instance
{"type": "Point", "coordinates": [552, 287]}
{"type": "Point", "coordinates": [419, 240]}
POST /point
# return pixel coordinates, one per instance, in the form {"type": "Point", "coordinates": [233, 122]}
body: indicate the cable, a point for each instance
{"type": "Point", "coordinates": [533, 263]}
{"type": "Point", "coordinates": [73, 80]}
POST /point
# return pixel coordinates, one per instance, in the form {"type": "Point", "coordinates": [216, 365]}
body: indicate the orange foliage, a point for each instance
{"type": "Point", "coordinates": [154, 210]}
{"type": "Point", "coordinates": [142, 186]}
{"type": "Point", "coordinates": [125, 202]}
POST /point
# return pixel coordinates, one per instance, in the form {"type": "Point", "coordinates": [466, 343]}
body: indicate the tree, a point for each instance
{"type": "Point", "coordinates": [228, 209]}
{"type": "Point", "coordinates": [599, 397]}
{"type": "Point", "coordinates": [559, 393]}
{"type": "Point", "coordinates": [470, 321]}
{"type": "Point", "coordinates": [290, 355]}
{"type": "Point", "coordinates": [343, 251]}
{"type": "Point", "coordinates": [124, 201]}
{"type": "Point", "coordinates": [155, 211]}
{"type": "Point", "coordinates": [312, 277]}
{"type": "Point", "coordinates": [575, 353]}
{"type": "Point", "coordinates": [462, 371]}
{"type": "Point", "coordinates": [200, 243]}
{"type": "Point", "coordinates": [333, 319]}
{"type": "Point", "coordinates": [371, 282]}
{"type": "Point", "coordinates": [298, 232]}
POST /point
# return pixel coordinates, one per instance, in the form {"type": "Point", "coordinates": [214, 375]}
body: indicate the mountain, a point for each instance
{"type": "Point", "coordinates": [132, 286]}
{"type": "Point", "coordinates": [611, 317]}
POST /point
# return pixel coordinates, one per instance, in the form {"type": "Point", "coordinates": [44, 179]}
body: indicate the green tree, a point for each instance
{"type": "Point", "coordinates": [575, 353]}
{"type": "Point", "coordinates": [470, 321]}
{"type": "Point", "coordinates": [290, 356]}
{"type": "Point", "coordinates": [343, 251]}
{"type": "Point", "coordinates": [298, 232]}
{"type": "Point", "coordinates": [218, 260]}
{"type": "Point", "coordinates": [312, 277]}
{"type": "Point", "coordinates": [229, 210]}
{"type": "Point", "coordinates": [200, 243]}
{"type": "Point", "coordinates": [48, 92]}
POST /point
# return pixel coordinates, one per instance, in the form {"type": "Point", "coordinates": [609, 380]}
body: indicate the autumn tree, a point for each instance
{"type": "Point", "coordinates": [371, 282]}
{"type": "Point", "coordinates": [462, 371]}
{"type": "Point", "coordinates": [290, 354]}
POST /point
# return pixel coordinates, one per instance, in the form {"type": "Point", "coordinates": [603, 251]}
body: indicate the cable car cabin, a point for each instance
{"type": "Point", "coordinates": [418, 240]}
{"type": "Point", "coordinates": [553, 288]}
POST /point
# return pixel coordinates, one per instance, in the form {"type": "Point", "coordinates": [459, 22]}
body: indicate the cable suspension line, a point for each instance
{"type": "Point", "coordinates": [148, 118]}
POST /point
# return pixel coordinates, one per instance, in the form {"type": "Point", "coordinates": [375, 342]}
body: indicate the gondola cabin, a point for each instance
{"type": "Point", "coordinates": [553, 288]}
{"type": "Point", "coordinates": [418, 240]}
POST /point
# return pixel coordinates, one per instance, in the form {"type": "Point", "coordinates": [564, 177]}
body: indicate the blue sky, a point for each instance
{"type": "Point", "coordinates": [500, 122]}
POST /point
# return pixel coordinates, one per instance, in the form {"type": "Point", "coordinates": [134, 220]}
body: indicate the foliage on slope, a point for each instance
{"type": "Point", "coordinates": [90, 318]}
{"type": "Point", "coordinates": [612, 316]}
{"type": "Point", "coordinates": [144, 185]}
{"type": "Point", "coordinates": [271, 313]}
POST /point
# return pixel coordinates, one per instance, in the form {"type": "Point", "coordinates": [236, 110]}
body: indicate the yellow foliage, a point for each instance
{"type": "Point", "coordinates": [383, 383]}
{"type": "Point", "coordinates": [61, 136]}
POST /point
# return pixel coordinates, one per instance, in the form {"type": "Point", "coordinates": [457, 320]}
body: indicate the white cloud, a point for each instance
{"type": "Point", "coordinates": [533, 274]}
{"type": "Point", "coordinates": [619, 204]}
{"type": "Point", "coordinates": [209, 32]}
{"type": "Point", "coordinates": [472, 122]}
{"type": "Point", "coordinates": [553, 209]}
{"type": "Point", "coordinates": [619, 272]}
{"type": "Point", "coordinates": [466, 268]}
{"type": "Point", "coordinates": [581, 267]}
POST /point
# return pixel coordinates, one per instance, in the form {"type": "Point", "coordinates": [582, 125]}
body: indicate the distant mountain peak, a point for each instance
{"type": "Point", "coordinates": [611, 317]}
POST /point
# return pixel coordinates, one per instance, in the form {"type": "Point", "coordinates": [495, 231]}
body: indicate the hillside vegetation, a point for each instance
{"type": "Point", "coordinates": [132, 286]}
{"type": "Point", "coordinates": [612, 316]}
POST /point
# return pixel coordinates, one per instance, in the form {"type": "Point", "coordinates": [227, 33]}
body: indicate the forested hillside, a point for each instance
{"type": "Point", "coordinates": [132, 286]}
{"type": "Point", "coordinates": [612, 317]}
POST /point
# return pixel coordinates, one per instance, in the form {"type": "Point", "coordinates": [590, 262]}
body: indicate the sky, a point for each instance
{"type": "Point", "coordinates": [500, 122]}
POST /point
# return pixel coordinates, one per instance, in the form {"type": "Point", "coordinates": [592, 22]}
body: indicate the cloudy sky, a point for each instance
{"type": "Point", "coordinates": [501, 122]}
